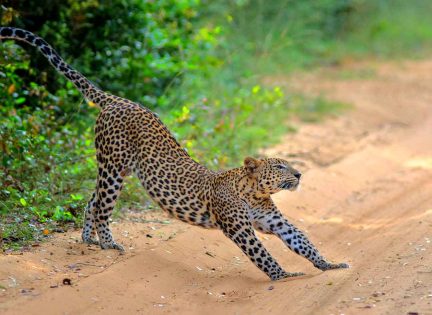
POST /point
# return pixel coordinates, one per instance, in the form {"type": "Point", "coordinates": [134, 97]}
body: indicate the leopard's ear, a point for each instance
{"type": "Point", "coordinates": [251, 165]}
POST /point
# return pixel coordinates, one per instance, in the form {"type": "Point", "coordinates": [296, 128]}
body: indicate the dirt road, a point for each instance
{"type": "Point", "coordinates": [366, 199]}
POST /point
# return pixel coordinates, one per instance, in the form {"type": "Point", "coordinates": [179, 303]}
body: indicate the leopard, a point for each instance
{"type": "Point", "coordinates": [130, 138]}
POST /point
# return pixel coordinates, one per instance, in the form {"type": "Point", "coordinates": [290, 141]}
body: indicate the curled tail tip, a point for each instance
{"type": "Point", "coordinates": [18, 34]}
{"type": "Point", "coordinates": [6, 31]}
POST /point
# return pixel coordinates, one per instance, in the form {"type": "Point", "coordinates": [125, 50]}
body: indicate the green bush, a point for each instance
{"type": "Point", "coordinates": [136, 49]}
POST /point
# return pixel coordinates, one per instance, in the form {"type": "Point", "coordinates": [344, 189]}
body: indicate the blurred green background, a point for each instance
{"type": "Point", "coordinates": [199, 64]}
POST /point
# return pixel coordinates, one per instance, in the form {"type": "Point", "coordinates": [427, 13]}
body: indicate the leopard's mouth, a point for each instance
{"type": "Point", "coordinates": [289, 185]}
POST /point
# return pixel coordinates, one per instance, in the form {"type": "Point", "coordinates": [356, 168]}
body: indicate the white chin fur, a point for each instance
{"type": "Point", "coordinates": [296, 188]}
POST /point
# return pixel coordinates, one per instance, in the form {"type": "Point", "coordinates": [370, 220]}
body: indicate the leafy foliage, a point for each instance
{"type": "Point", "coordinates": [220, 134]}
{"type": "Point", "coordinates": [136, 49]}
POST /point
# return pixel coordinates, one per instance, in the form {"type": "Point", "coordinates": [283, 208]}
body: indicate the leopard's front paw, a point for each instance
{"type": "Point", "coordinates": [285, 275]}
{"type": "Point", "coordinates": [91, 241]}
{"type": "Point", "coordinates": [112, 245]}
{"type": "Point", "coordinates": [328, 266]}
{"type": "Point", "coordinates": [341, 266]}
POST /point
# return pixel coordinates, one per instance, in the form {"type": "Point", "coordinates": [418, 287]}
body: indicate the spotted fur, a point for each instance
{"type": "Point", "coordinates": [130, 138]}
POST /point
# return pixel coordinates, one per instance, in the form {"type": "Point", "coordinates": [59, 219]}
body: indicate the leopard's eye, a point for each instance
{"type": "Point", "coordinates": [281, 167]}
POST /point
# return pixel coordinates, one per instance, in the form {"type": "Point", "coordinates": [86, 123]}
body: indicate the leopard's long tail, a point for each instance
{"type": "Point", "coordinates": [88, 89]}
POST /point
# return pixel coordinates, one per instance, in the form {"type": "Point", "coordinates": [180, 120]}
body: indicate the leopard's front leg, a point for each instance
{"type": "Point", "coordinates": [268, 219]}
{"type": "Point", "coordinates": [236, 225]}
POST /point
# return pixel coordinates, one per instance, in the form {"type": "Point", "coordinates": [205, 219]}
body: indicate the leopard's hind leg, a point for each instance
{"type": "Point", "coordinates": [89, 230]}
{"type": "Point", "coordinates": [109, 186]}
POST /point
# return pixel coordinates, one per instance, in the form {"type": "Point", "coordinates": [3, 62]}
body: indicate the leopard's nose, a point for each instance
{"type": "Point", "coordinates": [297, 175]}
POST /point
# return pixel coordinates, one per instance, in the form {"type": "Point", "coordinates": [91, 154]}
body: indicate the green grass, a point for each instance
{"type": "Point", "coordinates": [316, 109]}
{"type": "Point", "coordinates": [20, 229]}
{"type": "Point", "coordinates": [363, 73]}
{"type": "Point", "coordinates": [278, 37]}
{"type": "Point", "coordinates": [392, 29]}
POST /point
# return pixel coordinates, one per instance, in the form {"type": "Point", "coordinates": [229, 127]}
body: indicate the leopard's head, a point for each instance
{"type": "Point", "coordinates": [272, 175]}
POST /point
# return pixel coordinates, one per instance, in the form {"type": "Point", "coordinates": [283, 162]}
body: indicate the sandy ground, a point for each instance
{"type": "Point", "coordinates": [366, 199]}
